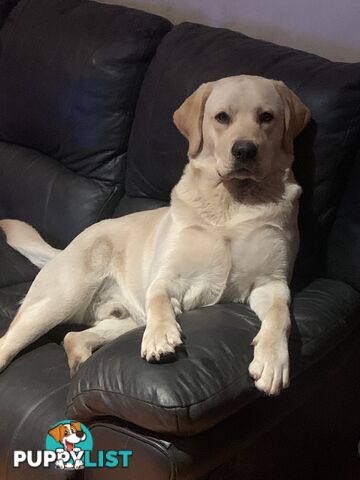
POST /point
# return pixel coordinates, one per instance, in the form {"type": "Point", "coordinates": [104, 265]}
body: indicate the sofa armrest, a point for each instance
{"type": "Point", "coordinates": [209, 379]}
{"type": "Point", "coordinates": [14, 268]}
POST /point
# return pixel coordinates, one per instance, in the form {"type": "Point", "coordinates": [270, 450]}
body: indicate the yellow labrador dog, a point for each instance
{"type": "Point", "coordinates": [230, 235]}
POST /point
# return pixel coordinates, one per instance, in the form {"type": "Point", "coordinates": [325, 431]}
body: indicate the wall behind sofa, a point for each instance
{"type": "Point", "coordinates": [327, 27]}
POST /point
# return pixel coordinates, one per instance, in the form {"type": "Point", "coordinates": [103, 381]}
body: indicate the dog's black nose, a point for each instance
{"type": "Point", "coordinates": [80, 434]}
{"type": "Point", "coordinates": [244, 150]}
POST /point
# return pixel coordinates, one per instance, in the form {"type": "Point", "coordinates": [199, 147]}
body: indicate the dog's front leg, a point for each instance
{"type": "Point", "coordinates": [162, 333]}
{"type": "Point", "coordinates": [270, 366]}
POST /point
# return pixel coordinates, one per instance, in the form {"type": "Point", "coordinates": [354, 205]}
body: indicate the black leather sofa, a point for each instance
{"type": "Point", "coordinates": [87, 93]}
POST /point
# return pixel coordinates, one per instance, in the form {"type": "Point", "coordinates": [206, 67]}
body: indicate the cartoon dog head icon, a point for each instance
{"type": "Point", "coordinates": [68, 434]}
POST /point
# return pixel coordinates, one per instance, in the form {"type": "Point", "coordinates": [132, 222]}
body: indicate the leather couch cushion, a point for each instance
{"type": "Point", "coordinates": [192, 54]}
{"type": "Point", "coordinates": [32, 398]}
{"type": "Point", "coordinates": [343, 248]}
{"type": "Point", "coordinates": [67, 100]}
{"type": "Point", "coordinates": [10, 298]}
{"type": "Point", "coordinates": [59, 203]}
{"type": "Point", "coordinates": [209, 380]}
{"type": "Point", "coordinates": [70, 74]}
{"type": "Point", "coordinates": [286, 437]}
{"type": "Point", "coordinates": [14, 268]}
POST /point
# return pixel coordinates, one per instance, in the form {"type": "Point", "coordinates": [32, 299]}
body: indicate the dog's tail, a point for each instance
{"type": "Point", "coordinates": [26, 240]}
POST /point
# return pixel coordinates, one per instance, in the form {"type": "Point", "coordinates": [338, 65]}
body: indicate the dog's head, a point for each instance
{"type": "Point", "coordinates": [68, 434]}
{"type": "Point", "coordinates": [244, 125]}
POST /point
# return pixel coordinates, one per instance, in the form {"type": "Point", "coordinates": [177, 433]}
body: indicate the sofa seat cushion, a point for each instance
{"type": "Point", "coordinates": [193, 54]}
{"type": "Point", "coordinates": [209, 380]}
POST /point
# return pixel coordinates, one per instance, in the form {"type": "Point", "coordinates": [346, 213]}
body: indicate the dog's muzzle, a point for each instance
{"type": "Point", "coordinates": [244, 153]}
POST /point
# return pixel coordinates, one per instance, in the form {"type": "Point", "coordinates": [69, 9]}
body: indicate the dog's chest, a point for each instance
{"type": "Point", "coordinates": [258, 252]}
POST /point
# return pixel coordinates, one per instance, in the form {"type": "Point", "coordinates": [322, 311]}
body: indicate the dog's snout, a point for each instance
{"type": "Point", "coordinates": [244, 150]}
{"type": "Point", "coordinates": [80, 434]}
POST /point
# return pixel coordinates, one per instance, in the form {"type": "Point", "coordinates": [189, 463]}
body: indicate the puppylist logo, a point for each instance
{"type": "Point", "coordinates": [69, 446]}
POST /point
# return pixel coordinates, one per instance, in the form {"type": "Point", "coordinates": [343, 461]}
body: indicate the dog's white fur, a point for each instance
{"type": "Point", "coordinates": [230, 235]}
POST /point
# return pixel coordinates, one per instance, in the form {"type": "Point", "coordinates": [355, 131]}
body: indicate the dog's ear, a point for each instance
{"type": "Point", "coordinates": [76, 425]}
{"type": "Point", "coordinates": [188, 118]}
{"type": "Point", "coordinates": [57, 432]}
{"type": "Point", "coordinates": [296, 115]}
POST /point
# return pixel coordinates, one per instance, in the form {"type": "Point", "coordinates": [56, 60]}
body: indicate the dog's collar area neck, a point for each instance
{"type": "Point", "coordinates": [247, 191]}
{"type": "Point", "coordinates": [253, 192]}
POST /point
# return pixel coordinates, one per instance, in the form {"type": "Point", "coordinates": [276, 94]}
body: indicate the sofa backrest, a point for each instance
{"type": "Point", "coordinates": [192, 54]}
{"type": "Point", "coordinates": [343, 247]}
{"type": "Point", "coordinates": [70, 75]}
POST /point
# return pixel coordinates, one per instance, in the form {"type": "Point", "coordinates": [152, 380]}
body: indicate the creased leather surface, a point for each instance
{"type": "Point", "coordinates": [67, 101]}
{"type": "Point", "coordinates": [56, 201]}
{"type": "Point", "coordinates": [209, 379]}
{"type": "Point", "coordinates": [277, 438]}
{"type": "Point", "coordinates": [69, 90]}
{"type": "Point", "coordinates": [36, 384]}
{"type": "Point", "coordinates": [14, 268]}
{"type": "Point", "coordinates": [192, 54]}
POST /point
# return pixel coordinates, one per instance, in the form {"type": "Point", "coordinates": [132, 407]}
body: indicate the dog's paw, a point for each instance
{"type": "Point", "coordinates": [160, 340]}
{"type": "Point", "coordinates": [76, 352]}
{"type": "Point", "coordinates": [270, 366]}
{"type": "Point", "coordinates": [75, 364]}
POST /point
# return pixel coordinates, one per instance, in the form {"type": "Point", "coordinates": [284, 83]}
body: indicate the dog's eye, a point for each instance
{"type": "Point", "coordinates": [266, 117]}
{"type": "Point", "coordinates": [222, 117]}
